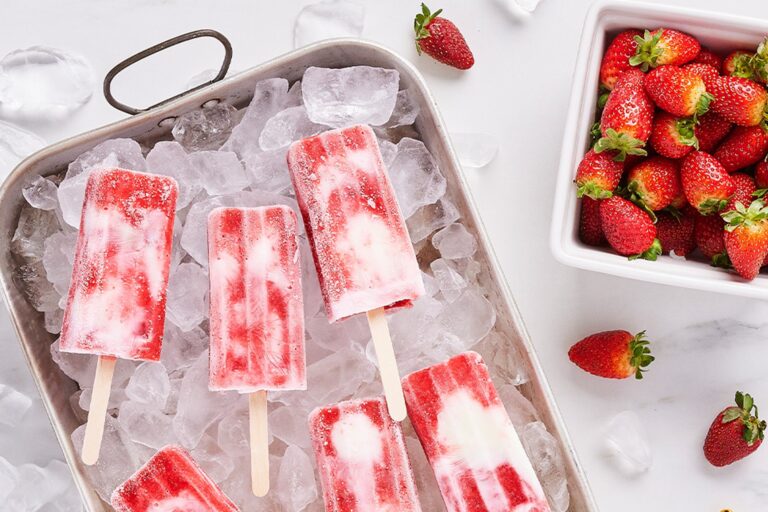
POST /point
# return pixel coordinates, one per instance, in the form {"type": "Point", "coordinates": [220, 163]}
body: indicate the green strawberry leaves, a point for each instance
{"type": "Point", "coordinates": [754, 428]}
{"type": "Point", "coordinates": [420, 23]}
{"type": "Point", "coordinates": [622, 143]}
{"type": "Point", "coordinates": [648, 50]}
{"type": "Point", "coordinates": [640, 354]}
{"type": "Point", "coordinates": [745, 216]}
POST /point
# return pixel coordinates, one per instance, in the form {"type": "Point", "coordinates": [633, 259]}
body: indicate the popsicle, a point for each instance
{"type": "Point", "coordinates": [363, 255]}
{"type": "Point", "coordinates": [116, 302]}
{"type": "Point", "coordinates": [361, 458]}
{"type": "Point", "coordinates": [470, 442]}
{"type": "Point", "coordinates": [257, 314]}
{"type": "Point", "coordinates": [170, 481]}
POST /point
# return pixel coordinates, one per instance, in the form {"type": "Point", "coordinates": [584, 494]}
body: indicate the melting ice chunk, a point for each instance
{"type": "Point", "coordinates": [627, 442]}
{"type": "Point", "coordinates": [15, 145]}
{"type": "Point", "coordinates": [328, 19]}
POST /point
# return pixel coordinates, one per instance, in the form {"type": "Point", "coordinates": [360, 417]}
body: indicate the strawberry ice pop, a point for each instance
{"type": "Point", "coordinates": [364, 257]}
{"type": "Point", "coordinates": [361, 458]}
{"type": "Point", "coordinates": [470, 442]}
{"type": "Point", "coordinates": [116, 302]}
{"type": "Point", "coordinates": [257, 313]}
{"type": "Point", "coordinates": [170, 481]}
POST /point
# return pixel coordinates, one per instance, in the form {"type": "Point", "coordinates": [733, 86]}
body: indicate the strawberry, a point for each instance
{"type": "Point", "coordinates": [707, 56]}
{"type": "Point", "coordinates": [746, 237]}
{"type": "Point", "coordinates": [441, 39]}
{"type": "Point", "coordinates": [598, 175]}
{"type": "Point", "coordinates": [676, 233]}
{"type": "Point", "coordinates": [706, 184]}
{"type": "Point", "coordinates": [745, 188]}
{"type": "Point", "coordinates": [678, 91]}
{"type": "Point", "coordinates": [761, 174]}
{"type": "Point", "coordinates": [664, 46]}
{"type": "Point", "coordinates": [654, 183]}
{"type": "Point", "coordinates": [673, 137]}
{"type": "Point", "coordinates": [612, 354]}
{"type": "Point", "coordinates": [710, 130]}
{"type": "Point", "coordinates": [628, 229]}
{"type": "Point", "coordinates": [735, 432]}
{"type": "Point", "coordinates": [627, 119]}
{"type": "Point", "coordinates": [590, 230]}
{"type": "Point", "coordinates": [739, 100]}
{"type": "Point", "coordinates": [759, 63]}
{"type": "Point", "coordinates": [709, 234]}
{"type": "Point", "coordinates": [745, 146]}
{"type": "Point", "coordinates": [738, 64]}
{"type": "Point", "coordinates": [616, 58]}
{"type": "Point", "coordinates": [704, 71]}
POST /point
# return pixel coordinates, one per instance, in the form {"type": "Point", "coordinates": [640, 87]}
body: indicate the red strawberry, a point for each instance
{"type": "Point", "coordinates": [628, 229]}
{"type": "Point", "coordinates": [738, 64]}
{"type": "Point", "coordinates": [676, 233]}
{"type": "Point", "coordinates": [739, 100]}
{"type": "Point", "coordinates": [704, 71]}
{"type": "Point", "coordinates": [735, 432]}
{"type": "Point", "coordinates": [678, 91]}
{"type": "Point", "coordinates": [709, 234]}
{"type": "Point", "coordinates": [707, 56]}
{"type": "Point", "coordinates": [710, 130]}
{"type": "Point", "coordinates": [654, 182]}
{"type": "Point", "coordinates": [761, 174]}
{"type": "Point", "coordinates": [745, 146]}
{"type": "Point", "coordinates": [598, 175]}
{"type": "Point", "coordinates": [706, 184]}
{"type": "Point", "coordinates": [745, 187]}
{"type": "Point", "coordinates": [590, 229]}
{"type": "Point", "coordinates": [627, 119]}
{"type": "Point", "coordinates": [441, 39]}
{"type": "Point", "coordinates": [746, 237]}
{"type": "Point", "coordinates": [664, 46]}
{"type": "Point", "coordinates": [673, 137]}
{"type": "Point", "coordinates": [616, 58]}
{"type": "Point", "coordinates": [612, 354]}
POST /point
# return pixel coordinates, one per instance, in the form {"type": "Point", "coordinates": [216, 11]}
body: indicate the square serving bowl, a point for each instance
{"type": "Point", "coordinates": [717, 31]}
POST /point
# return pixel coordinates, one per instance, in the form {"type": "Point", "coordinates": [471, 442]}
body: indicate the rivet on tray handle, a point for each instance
{"type": "Point", "coordinates": [133, 59]}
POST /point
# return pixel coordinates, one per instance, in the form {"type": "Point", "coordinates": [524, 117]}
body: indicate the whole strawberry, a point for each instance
{"type": "Point", "coordinates": [441, 39]}
{"type": "Point", "coordinates": [673, 137]}
{"type": "Point", "coordinates": [598, 175]}
{"type": "Point", "coordinates": [590, 229]}
{"type": "Point", "coordinates": [735, 432]}
{"type": "Point", "coordinates": [706, 184]}
{"type": "Point", "coordinates": [746, 237]}
{"type": "Point", "coordinates": [745, 189]}
{"type": "Point", "coordinates": [761, 174]}
{"type": "Point", "coordinates": [710, 130]}
{"type": "Point", "coordinates": [709, 235]}
{"type": "Point", "coordinates": [628, 229]}
{"type": "Point", "coordinates": [654, 183]}
{"type": "Point", "coordinates": [627, 118]}
{"type": "Point", "coordinates": [707, 56]}
{"type": "Point", "coordinates": [664, 46]}
{"type": "Point", "coordinates": [678, 91]}
{"type": "Point", "coordinates": [616, 58]}
{"type": "Point", "coordinates": [738, 64]}
{"type": "Point", "coordinates": [676, 233]}
{"type": "Point", "coordinates": [612, 354]}
{"type": "Point", "coordinates": [745, 146]}
{"type": "Point", "coordinates": [739, 100]}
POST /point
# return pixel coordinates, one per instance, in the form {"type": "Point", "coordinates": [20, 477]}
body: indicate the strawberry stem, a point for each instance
{"type": "Point", "coordinates": [421, 24]}
{"type": "Point", "coordinates": [622, 143]}
{"type": "Point", "coordinates": [648, 50]}
{"type": "Point", "coordinates": [754, 428]}
{"type": "Point", "coordinates": [640, 354]}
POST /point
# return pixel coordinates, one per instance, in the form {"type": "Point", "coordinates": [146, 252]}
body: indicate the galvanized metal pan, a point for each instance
{"type": "Point", "coordinates": [155, 124]}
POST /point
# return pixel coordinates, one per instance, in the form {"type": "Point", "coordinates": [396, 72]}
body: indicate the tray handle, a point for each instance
{"type": "Point", "coordinates": [133, 59]}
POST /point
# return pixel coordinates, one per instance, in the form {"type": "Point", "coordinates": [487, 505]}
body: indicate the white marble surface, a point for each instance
{"type": "Point", "coordinates": [707, 345]}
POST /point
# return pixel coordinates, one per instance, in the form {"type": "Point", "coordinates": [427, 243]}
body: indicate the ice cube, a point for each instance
{"type": "Point", "coordinates": [455, 242]}
{"type": "Point", "coordinates": [519, 408]}
{"type": "Point", "coordinates": [287, 126]}
{"type": "Point", "coordinates": [58, 258]}
{"type": "Point", "coordinates": [15, 145]}
{"type": "Point", "coordinates": [31, 232]}
{"type": "Point", "coordinates": [149, 385]}
{"type": "Point", "coordinates": [450, 282]}
{"type": "Point", "coordinates": [181, 349]}
{"type": "Point", "coordinates": [220, 171]}
{"type": "Point", "coordinates": [328, 19]}
{"type": "Point", "coordinates": [430, 218]}
{"type": "Point", "coordinates": [289, 424]}
{"type": "Point", "coordinates": [296, 487]}
{"type": "Point", "coordinates": [146, 424]}
{"type": "Point", "coordinates": [41, 193]}
{"type": "Point", "coordinates": [405, 112]}
{"type": "Point", "coordinates": [429, 492]}
{"type": "Point", "coordinates": [43, 83]}
{"type": "Point", "coordinates": [388, 152]}
{"type": "Point", "coordinates": [79, 367]}
{"type": "Point", "coordinates": [233, 432]}
{"type": "Point", "coordinates": [352, 95]}
{"type": "Point", "coordinates": [544, 452]}
{"type": "Point", "coordinates": [14, 405]}
{"type": "Point", "coordinates": [206, 128]}
{"type": "Point", "coordinates": [187, 296]}
{"type": "Point", "coordinates": [505, 358]}
{"type": "Point", "coordinates": [53, 320]}
{"type": "Point", "coordinates": [38, 486]}
{"type": "Point", "coordinates": [9, 478]}
{"type": "Point", "coordinates": [238, 486]}
{"type": "Point", "coordinates": [470, 317]}
{"type": "Point", "coordinates": [216, 464]}
{"type": "Point", "coordinates": [475, 149]}
{"type": "Point", "coordinates": [170, 159]}
{"type": "Point", "coordinates": [338, 335]}
{"type": "Point", "coordinates": [627, 443]}
{"type": "Point", "coordinates": [415, 176]}
{"type": "Point", "coordinates": [269, 170]}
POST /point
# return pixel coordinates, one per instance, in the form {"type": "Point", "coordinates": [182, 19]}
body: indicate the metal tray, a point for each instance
{"type": "Point", "coordinates": [148, 127]}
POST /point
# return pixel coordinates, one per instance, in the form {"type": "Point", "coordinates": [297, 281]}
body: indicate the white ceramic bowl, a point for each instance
{"type": "Point", "coordinates": [717, 31]}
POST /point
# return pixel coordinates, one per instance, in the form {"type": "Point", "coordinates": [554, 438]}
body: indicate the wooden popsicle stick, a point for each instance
{"type": "Point", "coordinates": [390, 376]}
{"type": "Point", "coordinates": [257, 407]}
{"type": "Point", "coordinates": [94, 429]}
